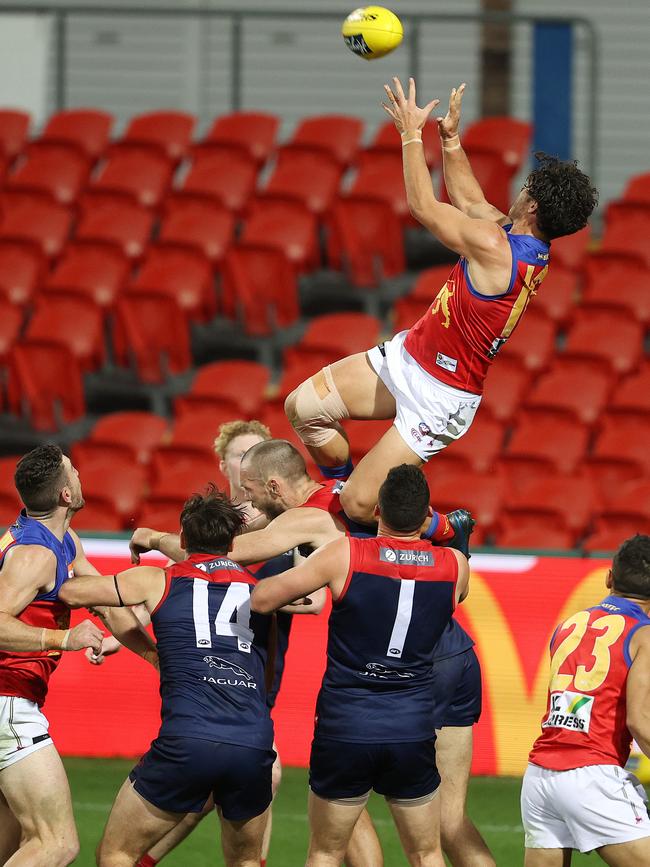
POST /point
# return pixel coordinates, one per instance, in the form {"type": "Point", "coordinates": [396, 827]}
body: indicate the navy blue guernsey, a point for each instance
{"type": "Point", "coordinates": [275, 566]}
{"type": "Point", "coordinates": [213, 653]}
{"type": "Point", "coordinates": [383, 632]}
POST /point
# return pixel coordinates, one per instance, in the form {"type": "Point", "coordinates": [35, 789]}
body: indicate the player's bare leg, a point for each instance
{"type": "Point", "coordinates": [418, 827]}
{"type": "Point", "coordinates": [461, 841]}
{"type": "Point", "coordinates": [37, 793]}
{"type": "Point", "coordinates": [276, 779]}
{"type": "Point", "coordinates": [133, 827]}
{"type": "Point", "coordinates": [359, 496]}
{"type": "Point", "coordinates": [176, 836]}
{"type": "Point", "coordinates": [349, 388]}
{"type": "Point", "coordinates": [364, 848]}
{"type": "Point", "coordinates": [548, 858]}
{"type": "Point", "coordinates": [9, 831]}
{"type": "Point", "coordinates": [242, 841]}
{"type": "Point", "coordinates": [636, 853]}
{"type": "Point", "coordinates": [331, 824]}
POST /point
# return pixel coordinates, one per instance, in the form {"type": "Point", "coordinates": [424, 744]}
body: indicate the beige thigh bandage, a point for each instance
{"type": "Point", "coordinates": [314, 418]}
{"type": "Point", "coordinates": [413, 802]}
{"type": "Point", "coordinates": [357, 801]}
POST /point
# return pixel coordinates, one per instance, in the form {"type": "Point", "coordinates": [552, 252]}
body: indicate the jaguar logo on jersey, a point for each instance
{"type": "Point", "coordinates": [218, 662]}
{"type": "Point", "coordinates": [406, 558]}
{"type": "Point", "coordinates": [382, 672]}
{"type": "Point", "coordinates": [570, 710]}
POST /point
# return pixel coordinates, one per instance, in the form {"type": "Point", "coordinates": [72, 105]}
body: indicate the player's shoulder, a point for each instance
{"type": "Point", "coordinates": [30, 555]}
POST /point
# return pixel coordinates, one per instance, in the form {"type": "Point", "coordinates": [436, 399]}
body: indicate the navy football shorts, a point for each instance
{"type": "Point", "coordinates": [179, 775]}
{"type": "Point", "coordinates": [457, 689]}
{"type": "Point", "coordinates": [403, 771]}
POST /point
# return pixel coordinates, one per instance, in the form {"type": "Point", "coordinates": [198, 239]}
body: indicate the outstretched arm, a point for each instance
{"type": "Point", "coordinates": [472, 238]}
{"type": "Point", "coordinates": [464, 190]}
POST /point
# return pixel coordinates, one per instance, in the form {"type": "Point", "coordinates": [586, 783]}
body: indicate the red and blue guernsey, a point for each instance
{"type": "Point", "coordinates": [585, 719]}
{"type": "Point", "coordinates": [26, 675]}
{"type": "Point", "coordinates": [458, 337]}
{"type": "Point", "coordinates": [213, 654]}
{"type": "Point", "coordinates": [383, 633]}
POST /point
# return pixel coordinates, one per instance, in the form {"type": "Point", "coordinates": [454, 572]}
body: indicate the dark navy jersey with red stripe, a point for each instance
{"type": "Point", "coordinates": [213, 653]}
{"type": "Point", "coordinates": [27, 674]}
{"type": "Point", "coordinates": [383, 633]}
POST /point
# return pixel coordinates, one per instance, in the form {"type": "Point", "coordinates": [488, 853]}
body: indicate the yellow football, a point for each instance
{"type": "Point", "coordinates": [372, 32]}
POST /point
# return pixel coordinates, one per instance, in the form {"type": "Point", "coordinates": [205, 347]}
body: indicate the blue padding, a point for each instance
{"type": "Point", "coordinates": [552, 86]}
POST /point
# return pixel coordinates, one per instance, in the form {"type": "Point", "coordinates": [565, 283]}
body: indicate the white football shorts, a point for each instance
{"type": "Point", "coordinates": [430, 414]}
{"type": "Point", "coordinates": [583, 808]}
{"type": "Point", "coordinates": [23, 729]}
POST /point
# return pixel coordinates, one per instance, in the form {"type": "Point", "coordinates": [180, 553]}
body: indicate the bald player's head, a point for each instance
{"type": "Point", "coordinates": [273, 473]}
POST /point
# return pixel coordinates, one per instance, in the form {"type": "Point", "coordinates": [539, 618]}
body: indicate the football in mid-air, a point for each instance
{"type": "Point", "coordinates": [372, 31]}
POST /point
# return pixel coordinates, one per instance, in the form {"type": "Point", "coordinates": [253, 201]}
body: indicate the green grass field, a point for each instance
{"type": "Point", "coordinates": [493, 804]}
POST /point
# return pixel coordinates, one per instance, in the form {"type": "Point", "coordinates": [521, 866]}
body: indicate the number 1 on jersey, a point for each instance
{"type": "Point", "coordinates": [237, 600]}
{"type": "Point", "coordinates": [402, 619]}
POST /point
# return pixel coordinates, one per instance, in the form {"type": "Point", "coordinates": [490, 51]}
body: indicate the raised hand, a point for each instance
{"type": "Point", "coordinates": [405, 113]}
{"type": "Point", "coordinates": [448, 125]}
{"type": "Point", "coordinates": [140, 543]}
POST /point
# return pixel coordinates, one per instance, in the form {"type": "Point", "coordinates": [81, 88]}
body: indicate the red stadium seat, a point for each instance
{"type": "Point", "coordinates": [230, 181]}
{"type": "Point", "coordinates": [632, 498]}
{"type": "Point", "coordinates": [204, 226]}
{"type": "Point", "coordinates": [618, 282]}
{"type": "Point", "coordinates": [339, 135]}
{"type": "Point", "coordinates": [125, 225]}
{"type": "Point", "coordinates": [11, 323]}
{"type": "Point", "coordinates": [182, 274]}
{"type": "Point", "coordinates": [611, 473]}
{"type": "Point", "coordinates": [311, 176]}
{"type": "Point", "coordinates": [73, 322]}
{"type": "Point", "coordinates": [570, 250]}
{"type": "Point", "coordinates": [7, 471]}
{"type": "Point", "coordinates": [637, 189]}
{"type": "Point", "coordinates": [199, 428]}
{"type": "Point", "coordinates": [481, 445]}
{"type": "Point", "coordinates": [609, 334]}
{"type": "Point", "coordinates": [380, 175]}
{"type": "Point", "coordinates": [558, 294]}
{"type": "Point", "coordinates": [45, 384]}
{"type": "Point", "coordinates": [407, 311]}
{"type": "Point", "coordinates": [98, 515]}
{"type": "Point", "coordinates": [340, 333]}
{"type": "Point", "coordinates": [143, 177]}
{"type": "Point", "coordinates": [14, 126]}
{"type": "Point", "coordinates": [253, 131]}
{"type": "Point", "coordinates": [21, 270]}
{"type": "Point", "coordinates": [151, 333]}
{"type": "Point", "coordinates": [260, 289]}
{"type": "Point", "coordinates": [573, 499]}
{"type": "Point", "coordinates": [297, 366]}
{"type": "Point", "coordinates": [191, 458]}
{"type": "Point", "coordinates": [552, 435]}
{"type": "Point", "coordinates": [505, 389]}
{"type": "Point", "coordinates": [632, 394]}
{"type": "Point", "coordinates": [53, 170]}
{"type": "Point", "coordinates": [493, 175]}
{"type": "Point", "coordinates": [578, 386]}
{"type": "Point", "coordinates": [506, 136]}
{"type": "Point", "coordinates": [169, 131]}
{"type": "Point", "coordinates": [429, 282]}
{"type": "Point", "coordinates": [623, 436]}
{"type": "Point", "coordinates": [363, 435]}
{"type": "Point", "coordinates": [533, 342]}
{"type": "Point", "coordinates": [46, 224]}
{"type": "Point", "coordinates": [366, 237]}
{"type": "Point", "coordinates": [387, 139]}
{"type": "Point", "coordinates": [85, 129]}
{"type": "Point", "coordinates": [141, 432]}
{"type": "Point", "coordinates": [610, 532]}
{"type": "Point", "coordinates": [626, 230]}
{"type": "Point", "coordinates": [95, 271]}
{"type": "Point", "coordinates": [286, 225]}
{"type": "Point", "coordinates": [8, 510]}
{"type": "Point", "coordinates": [162, 514]}
{"type": "Point", "coordinates": [520, 472]}
{"type": "Point", "coordinates": [280, 427]}
{"type": "Point", "coordinates": [87, 452]}
{"type": "Point", "coordinates": [241, 384]}
{"type": "Point", "coordinates": [540, 530]}
{"type": "Point", "coordinates": [482, 494]}
{"type": "Point", "coordinates": [183, 476]}
{"type": "Point", "coordinates": [120, 483]}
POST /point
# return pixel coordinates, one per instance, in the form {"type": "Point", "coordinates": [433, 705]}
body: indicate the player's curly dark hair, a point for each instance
{"type": "Point", "coordinates": [404, 498]}
{"type": "Point", "coordinates": [39, 478]}
{"type": "Point", "coordinates": [210, 521]}
{"type": "Point", "coordinates": [565, 196]}
{"type": "Point", "coordinates": [631, 567]}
